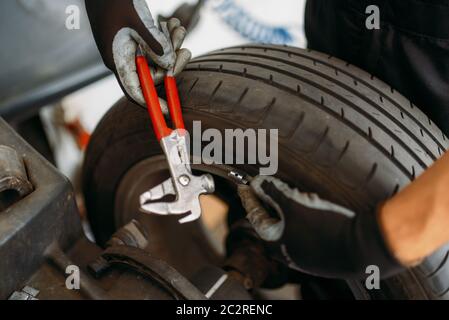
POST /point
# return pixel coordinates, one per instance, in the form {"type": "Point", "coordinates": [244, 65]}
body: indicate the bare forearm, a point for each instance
{"type": "Point", "coordinates": [415, 222]}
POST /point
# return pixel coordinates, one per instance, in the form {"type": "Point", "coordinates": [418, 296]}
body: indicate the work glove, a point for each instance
{"type": "Point", "coordinates": [120, 27]}
{"type": "Point", "coordinates": [321, 238]}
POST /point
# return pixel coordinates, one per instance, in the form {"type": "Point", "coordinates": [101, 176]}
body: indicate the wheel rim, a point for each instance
{"type": "Point", "coordinates": [138, 179]}
{"type": "Point", "coordinates": [151, 172]}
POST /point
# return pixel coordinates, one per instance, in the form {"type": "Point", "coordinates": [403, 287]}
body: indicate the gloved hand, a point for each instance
{"type": "Point", "coordinates": [120, 26]}
{"type": "Point", "coordinates": [322, 238]}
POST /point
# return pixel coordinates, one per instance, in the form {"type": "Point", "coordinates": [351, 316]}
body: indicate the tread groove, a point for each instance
{"type": "Point", "coordinates": [242, 96]}
{"type": "Point", "coordinates": [371, 173]}
{"type": "Point", "coordinates": [267, 110]}
{"type": "Point", "coordinates": [193, 85]}
{"type": "Point", "coordinates": [398, 123]}
{"type": "Point", "coordinates": [440, 266]}
{"type": "Point", "coordinates": [214, 93]}
{"type": "Point", "coordinates": [343, 151]}
{"type": "Point", "coordinates": [404, 170]}
{"type": "Point", "coordinates": [360, 80]}
{"type": "Point", "coordinates": [299, 120]}
{"type": "Point", "coordinates": [346, 101]}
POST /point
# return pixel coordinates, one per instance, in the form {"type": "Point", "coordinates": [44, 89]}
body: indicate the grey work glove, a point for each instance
{"type": "Point", "coordinates": [322, 238]}
{"type": "Point", "coordinates": [120, 26]}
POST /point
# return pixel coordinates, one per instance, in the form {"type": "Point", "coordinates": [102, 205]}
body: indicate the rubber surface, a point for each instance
{"type": "Point", "coordinates": [343, 134]}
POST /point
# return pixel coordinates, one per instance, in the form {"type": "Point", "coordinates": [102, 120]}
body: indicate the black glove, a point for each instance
{"type": "Point", "coordinates": [120, 26]}
{"type": "Point", "coordinates": [322, 238]}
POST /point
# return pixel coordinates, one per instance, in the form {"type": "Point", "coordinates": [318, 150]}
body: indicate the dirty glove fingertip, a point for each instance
{"type": "Point", "coordinates": [173, 23]}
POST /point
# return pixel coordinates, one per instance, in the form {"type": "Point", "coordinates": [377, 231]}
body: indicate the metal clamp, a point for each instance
{"type": "Point", "coordinates": [13, 177]}
{"type": "Point", "coordinates": [182, 183]}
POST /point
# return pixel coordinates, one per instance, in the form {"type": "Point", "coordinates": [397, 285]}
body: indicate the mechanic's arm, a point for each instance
{"type": "Point", "coordinates": [120, 26]}
{"type": "Point", "coordinates": [415, 222]}
{"type": "Point", "coordinates": [327, 240]}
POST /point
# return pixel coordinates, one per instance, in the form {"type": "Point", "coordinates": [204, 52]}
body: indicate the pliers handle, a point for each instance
{"type": "Point", "coordinates": [151, 97]}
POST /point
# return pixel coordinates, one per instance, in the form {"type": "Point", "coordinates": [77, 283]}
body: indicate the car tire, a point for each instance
{"type": "Point", "coordinates": [342, 133]}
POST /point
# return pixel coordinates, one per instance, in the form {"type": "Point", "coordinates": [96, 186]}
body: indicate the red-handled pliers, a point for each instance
{"type": "Point", "coordinates": [183, 184]}
{"type": "Point", "coordinates": [152, 99]}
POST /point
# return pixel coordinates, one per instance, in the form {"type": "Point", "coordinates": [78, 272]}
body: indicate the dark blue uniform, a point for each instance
{"type": "Point", "coordinates": [410, 51]}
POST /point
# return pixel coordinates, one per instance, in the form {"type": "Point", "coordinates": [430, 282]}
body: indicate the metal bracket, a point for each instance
{"type": "Point", "coordinates": [27, 293]}
{"type": "Point", "coordinates": [14, 183]}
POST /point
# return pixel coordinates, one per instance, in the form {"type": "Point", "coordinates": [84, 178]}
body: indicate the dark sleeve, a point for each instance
{"type": "Point", "coordinates": [108, 17]}
{"type": "Point", "coordinates": [410, 51]}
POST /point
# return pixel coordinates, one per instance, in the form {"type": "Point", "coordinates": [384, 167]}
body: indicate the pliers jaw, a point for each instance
{"type": "Point", "coordinates": [183, 184]}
